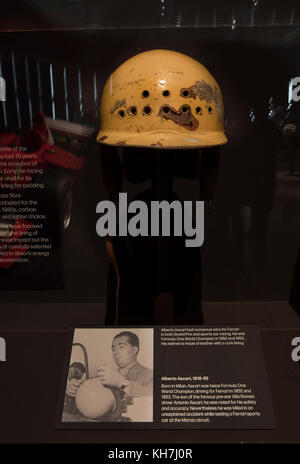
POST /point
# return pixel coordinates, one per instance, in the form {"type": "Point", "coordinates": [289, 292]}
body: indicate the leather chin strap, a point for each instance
{"type": "Point", "coordinates": [113, 262]}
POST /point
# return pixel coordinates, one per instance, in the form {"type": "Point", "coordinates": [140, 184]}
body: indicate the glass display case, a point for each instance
{"type": "Point", "coordinates": [55, 270]}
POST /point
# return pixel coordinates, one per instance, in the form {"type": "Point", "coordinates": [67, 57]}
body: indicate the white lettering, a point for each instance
{"type": "Point", "coordinates": [296, 351]}
{"type": "Point", "coordinates": [2, 349]}
{"type": "Point", "coordinates": [294, 90]}
{"type": "Point", "coordinates": [2, 89]}
{"type": "Point", "coordinates": [106, 225]}
{"type": "Point", "coordinates": [160, 214]}
{"type": "Point", "coordinates": [198, 231]}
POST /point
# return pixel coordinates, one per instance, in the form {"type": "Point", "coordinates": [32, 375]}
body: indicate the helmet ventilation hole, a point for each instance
{"type": "Point", "coordinates": [132, 111]}
{"type": "Point", "coordinates": [166, 109]}
{"type": "Point", "coordinates": [210, 110]}
{"type": "Point", "coordinates": [166, 93]}
{"type": "Point", "coordinates": [185, 93]}
{"type": "Point", "coordinates": [198, 110]}
{"type": "Point", "coordinates": [121, 114]}
{"type": "Point", "coordinates": [145, 93]}
{"type": "Point", "coordinates": [147, 110]}
{"type": "Point", "coordinates": [184, 108]}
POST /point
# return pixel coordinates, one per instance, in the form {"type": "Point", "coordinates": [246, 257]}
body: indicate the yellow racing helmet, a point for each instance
{"type": "Point", "coordinates": [162, 99]}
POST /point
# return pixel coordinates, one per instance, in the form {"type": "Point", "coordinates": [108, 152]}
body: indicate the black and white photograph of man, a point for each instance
{"type": "Point", "coordinates": [110, 377]}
